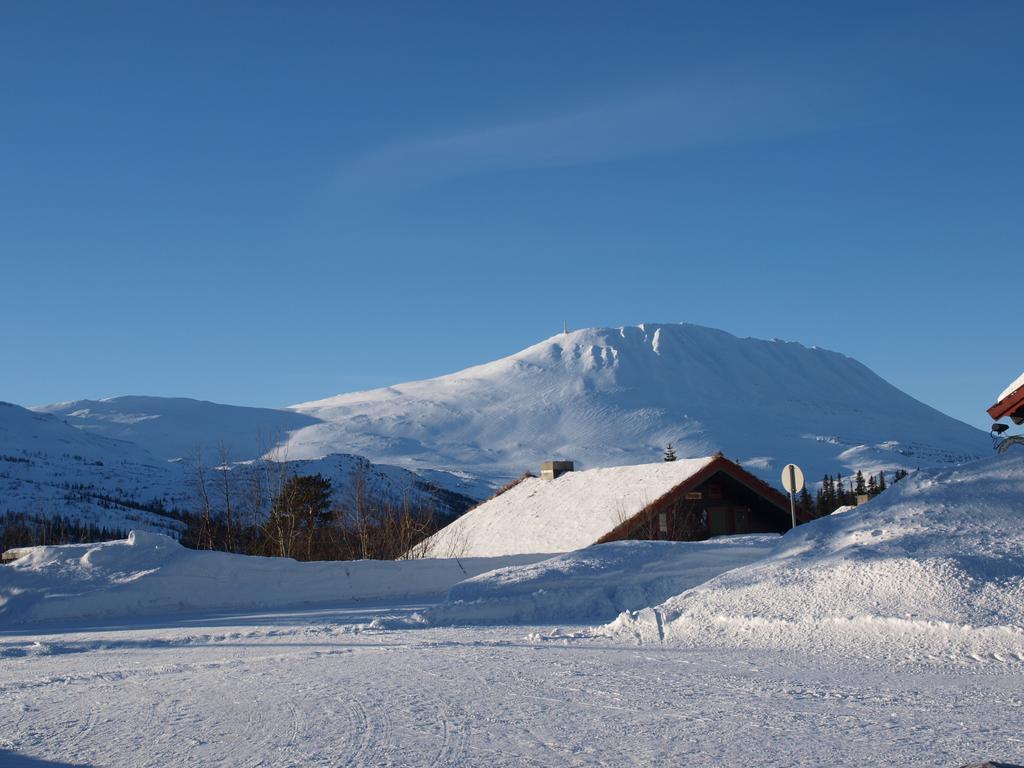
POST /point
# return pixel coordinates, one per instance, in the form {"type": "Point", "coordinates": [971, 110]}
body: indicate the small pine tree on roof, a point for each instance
{"type": "Point", "coordinates": [670, 453]}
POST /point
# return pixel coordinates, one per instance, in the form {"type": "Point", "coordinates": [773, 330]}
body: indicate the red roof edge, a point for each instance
{"type": "Point", "coordinates": [1009, 404]}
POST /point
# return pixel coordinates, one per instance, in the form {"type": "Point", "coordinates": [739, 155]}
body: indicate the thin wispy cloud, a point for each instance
{"type": "Point", "coordinates": [689, 116]}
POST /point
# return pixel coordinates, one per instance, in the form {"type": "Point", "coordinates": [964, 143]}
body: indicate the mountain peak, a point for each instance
{"type": "Point", "coordinates": [608, 396]}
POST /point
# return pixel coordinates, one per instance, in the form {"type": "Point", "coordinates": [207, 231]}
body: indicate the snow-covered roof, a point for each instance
{"type": "Point", "coordinates": [570, 512]}
{"type": "Point", "coordinates": [1017, 384]}
{"type": "Point", "coordinates": [1010, 402]}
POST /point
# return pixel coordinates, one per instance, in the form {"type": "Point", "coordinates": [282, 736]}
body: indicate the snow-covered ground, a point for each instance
{"type": "Point", "coordinates": [931, 569]}
{"type": "Point", "coordinates": [886, 634]}
{"type": "Point", "coordinates": [152, 574]}
{"type": "Point", "coordinates": [328, 688]}
{"type": "Point", "coordinates": [595, 583]}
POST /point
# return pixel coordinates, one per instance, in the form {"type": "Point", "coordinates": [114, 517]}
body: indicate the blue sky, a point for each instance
{"type": "Point", "coordinates": [263, 203]}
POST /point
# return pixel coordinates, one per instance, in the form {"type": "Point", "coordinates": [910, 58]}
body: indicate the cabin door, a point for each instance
{"type": "Point", "coordinates": [720, 521]}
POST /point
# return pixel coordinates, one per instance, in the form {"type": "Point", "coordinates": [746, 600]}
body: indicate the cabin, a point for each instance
{"type": "Point", "coordinates": [564, 510]}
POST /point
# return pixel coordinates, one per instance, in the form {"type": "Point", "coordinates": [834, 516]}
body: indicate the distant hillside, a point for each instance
{"type": "Point", "coordinates": [49, 468]}
{"type": "Point", "coordinates": [172, 427]}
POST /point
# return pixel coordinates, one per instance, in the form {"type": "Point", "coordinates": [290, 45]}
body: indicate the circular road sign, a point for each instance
{"type": "Point", "coordinates": [792, 478]}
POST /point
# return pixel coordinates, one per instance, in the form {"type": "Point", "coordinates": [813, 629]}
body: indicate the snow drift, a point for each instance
{"type": "Point", "coordinates": [933, 567]}
{"type": "Point", "coordinates": [149, 573]}
{"type": "Point", "coordinates": [596, 582]}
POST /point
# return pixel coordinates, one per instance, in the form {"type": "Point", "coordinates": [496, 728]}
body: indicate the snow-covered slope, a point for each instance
{"type": "Point", "coordinates": [50, 468]}
{"type": "Point", "coordinates": [608, 397]}
{"type": "Point", "coordinates": [443, 492]}
{"type": "Point", "coordinates": [174, 427]}
{"type": "Point", "coordinates": [932, 567]}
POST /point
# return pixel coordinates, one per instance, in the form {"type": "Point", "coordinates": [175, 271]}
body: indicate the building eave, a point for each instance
{"type": "Point", "coordinates": [1008, 405]}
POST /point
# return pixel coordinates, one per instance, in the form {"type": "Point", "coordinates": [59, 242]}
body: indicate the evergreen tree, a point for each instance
{"type": "Point", "coordinates": [881, 482]}
{"type": "Point", "coordinates": [872, 486]}
{"type": "Point", "coordinates": [840, 495]}
{"type": "Point", "coordinates": [827, 497]}
{"type": "Point", "coordinates": [670, 453]}
{"type": "Point", "coordinates": [805, 502]}
{"type": "Point", "coordinates": [860, 488]}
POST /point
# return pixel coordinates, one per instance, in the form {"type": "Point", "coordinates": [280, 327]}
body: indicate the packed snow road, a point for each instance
{"type": "Point", "coordinates": [352, 686]}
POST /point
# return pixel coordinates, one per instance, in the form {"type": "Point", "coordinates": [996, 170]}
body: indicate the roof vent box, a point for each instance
{"type": "Point", "coordinates": [549, 470]}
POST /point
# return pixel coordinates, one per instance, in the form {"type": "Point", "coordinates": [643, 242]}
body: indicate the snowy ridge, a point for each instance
{"type": "Point", "coordinates": [613, 396]}
{"type": "Point", "coordinates": [933, 567]}
{"type": "Point", "coordinates": [173, 427]}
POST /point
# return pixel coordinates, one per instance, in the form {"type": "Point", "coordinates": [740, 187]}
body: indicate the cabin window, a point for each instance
{"type": "Point", "coordinates": [662, 522]}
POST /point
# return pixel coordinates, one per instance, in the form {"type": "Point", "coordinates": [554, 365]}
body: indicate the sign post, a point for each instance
{"type": "Point", "coordinates": [792, 481]}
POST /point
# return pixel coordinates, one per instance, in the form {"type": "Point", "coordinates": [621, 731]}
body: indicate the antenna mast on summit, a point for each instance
{"type": "Point", "coordinates": [565, 327]}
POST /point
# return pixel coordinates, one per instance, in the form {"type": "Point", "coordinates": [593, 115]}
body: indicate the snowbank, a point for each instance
{"type": "Point", "coordinates": [596, 582]}
{"type": "Point", "coordinates": [932, 568]}
{"type": "Point", "coordinates": [149, 573]}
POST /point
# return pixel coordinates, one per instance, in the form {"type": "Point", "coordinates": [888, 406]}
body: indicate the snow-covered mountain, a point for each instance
{"type": "Point", "coordinates": [50, 468]}
{"type": "Point", "coordinates": [601, 397]}
{"type": "Point", "coordinates": [618, 396]}
{"type": "Point", "coordinates": [175, 427]}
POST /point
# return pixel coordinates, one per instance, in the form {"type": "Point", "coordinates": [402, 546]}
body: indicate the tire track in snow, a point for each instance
{"type": "Point", "coordinates": [374, 733]}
